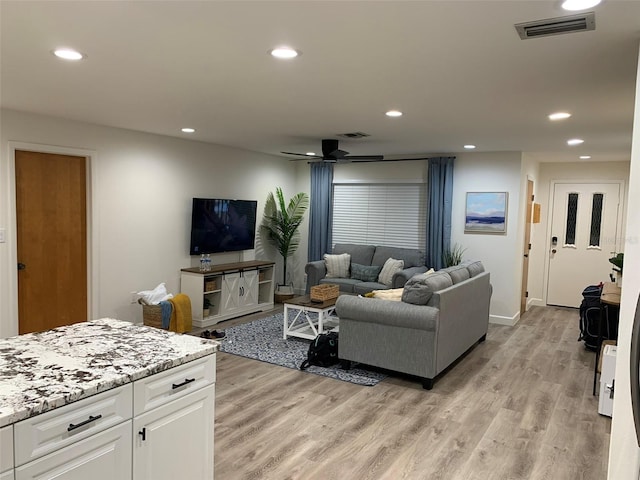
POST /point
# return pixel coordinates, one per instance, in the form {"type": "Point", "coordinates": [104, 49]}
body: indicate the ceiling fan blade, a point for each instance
{"type": "Point", "coordinates": [364, 158]}
{"type": "Point", "coordinates": [302, 154]}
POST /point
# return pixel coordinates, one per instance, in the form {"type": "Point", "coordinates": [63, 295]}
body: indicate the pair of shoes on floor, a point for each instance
{"type": "Point", "coordinates": [213, 334]}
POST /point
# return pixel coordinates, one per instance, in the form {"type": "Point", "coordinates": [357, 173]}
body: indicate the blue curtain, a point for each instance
{"type": "Point", "coordinates": [440, 192]}
{"type": "Point", "coordinates": [321, 209]}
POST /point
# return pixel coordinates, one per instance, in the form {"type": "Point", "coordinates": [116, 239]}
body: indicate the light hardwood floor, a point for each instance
{"type": "Point", "coordinates": [518, 406]}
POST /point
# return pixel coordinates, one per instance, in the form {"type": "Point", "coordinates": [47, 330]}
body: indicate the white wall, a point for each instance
{"type": "Point", "coordinates": [500, 254]}
{"type": "Point", "coordinates": [624, 455]}
{"type": "Point", "coordinates": [142, 186]}
{"type": "Point", "coordinates": [548, 173]}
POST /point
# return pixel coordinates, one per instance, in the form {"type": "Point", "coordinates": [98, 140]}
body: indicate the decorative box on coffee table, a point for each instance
{"type": "Point", "coordinates": [324, 292]}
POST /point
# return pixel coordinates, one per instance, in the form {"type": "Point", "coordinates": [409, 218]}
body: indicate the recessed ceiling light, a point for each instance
{"type": "Point", "coordinates": [68, 54]}
{"type": "Point", "coordinates": [469, 147]}
{"type": "Point", "coordinates": [579, 4]}
{"type": "Point", "coordinates": [575, 141]}
{"type": "Point", "coordinates": [394, 113]}
{"type": "Point", "coordinates": [585, 157]}
{"type": "Point", "coordinates": [188, 130]}
{"type": "Point", "coordinates": [311, 154]}
{"type": "Point", "coordinates": [284, 52]}
{"type": "Point", "coordinates": [559, 116]}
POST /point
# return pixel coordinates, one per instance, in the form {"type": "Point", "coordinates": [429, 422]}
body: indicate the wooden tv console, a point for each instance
{"type": "Point", "coordinates": [233, 290]}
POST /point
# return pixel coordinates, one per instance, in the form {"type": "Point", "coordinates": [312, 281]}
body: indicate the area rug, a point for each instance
{"type": "Point", "coordinates": [262, 340]}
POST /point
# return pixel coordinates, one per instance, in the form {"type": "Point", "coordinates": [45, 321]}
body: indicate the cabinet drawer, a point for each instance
{"type": "Point", "coordinates": [8, 475]}
{"type": "Point", "coordinates": [42, 434]}
{"type": "Point", "coordinates": [6, 448]}
{"type": "Point", "coordinates": [158, 389]}
{"type": "Point", "coordinates": [105, 455]}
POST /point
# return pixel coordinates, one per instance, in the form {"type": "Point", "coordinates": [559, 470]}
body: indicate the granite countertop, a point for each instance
{"type": "Point", "coordinates": [46, 370]}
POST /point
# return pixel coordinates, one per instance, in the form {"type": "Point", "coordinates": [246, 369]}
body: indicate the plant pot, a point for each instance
{"type": "Point", "coordinates": [283, 293]}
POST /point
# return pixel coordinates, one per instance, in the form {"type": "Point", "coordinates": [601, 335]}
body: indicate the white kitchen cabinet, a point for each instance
{"type": "Point", "coordinates": [103, 456]}
{"type": "Point", "coordinates": [8, 475]}
{"type": "Point", "coordinates": [170, 436]}
{"type": "Point", "coordinates": [6, 452]}
{"type": "Point", "coordinates": [174, 422]}
{"type": "Point", "coordinates": [176, 440]}
{"type": "Point", "coordinates": [231, 290]}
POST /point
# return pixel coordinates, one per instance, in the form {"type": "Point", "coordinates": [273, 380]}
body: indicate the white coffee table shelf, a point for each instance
{"type": "Point", "coordinates": [306, 319]}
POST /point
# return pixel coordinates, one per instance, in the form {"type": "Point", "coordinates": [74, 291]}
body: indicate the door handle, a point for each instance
{"type": "Point", "coordinates": [21, 266]}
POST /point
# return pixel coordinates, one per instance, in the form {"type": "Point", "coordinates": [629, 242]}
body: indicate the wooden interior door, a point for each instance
{"type": "Point", "coordinates": [51, 240]}
{"type": "Point", "coordinates": [527, 247]}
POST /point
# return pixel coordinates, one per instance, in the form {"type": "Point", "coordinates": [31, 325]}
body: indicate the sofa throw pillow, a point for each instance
{"type": "Point", "coordinates": [419, 288]}
{"type": "Point", "coordinates": [337, 265]}
{"type": "Point", "coordinates": [389, 269]}
{"type": "Point", "coordinates": [365, 273]}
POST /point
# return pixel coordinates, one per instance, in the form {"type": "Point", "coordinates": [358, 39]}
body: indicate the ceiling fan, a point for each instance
{"type": "Point", "coordinates": [332, 154]}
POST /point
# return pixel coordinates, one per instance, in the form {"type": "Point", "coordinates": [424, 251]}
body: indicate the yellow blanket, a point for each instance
{"type": "Point", "coordinates": [181, 314]}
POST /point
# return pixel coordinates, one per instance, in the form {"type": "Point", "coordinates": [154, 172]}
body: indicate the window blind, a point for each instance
{"type": "Point", "coordinates": [380, 214]}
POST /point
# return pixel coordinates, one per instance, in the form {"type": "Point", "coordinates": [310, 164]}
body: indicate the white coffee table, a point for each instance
{"type": "Point", "coordinates": [299, 323]}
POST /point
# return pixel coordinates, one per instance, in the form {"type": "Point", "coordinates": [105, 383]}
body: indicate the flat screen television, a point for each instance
{"type": "Point", "coordinates": [221, 225]}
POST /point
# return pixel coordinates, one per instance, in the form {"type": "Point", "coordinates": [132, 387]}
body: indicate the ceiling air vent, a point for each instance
{"type": "Point", "coordinates": [353, 135]}
{"type": "Point", "coordinates": [557, 26]}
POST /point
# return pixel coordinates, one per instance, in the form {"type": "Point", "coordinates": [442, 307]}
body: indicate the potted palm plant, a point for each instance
{"type": "Point", "coordinates": [280, 226]}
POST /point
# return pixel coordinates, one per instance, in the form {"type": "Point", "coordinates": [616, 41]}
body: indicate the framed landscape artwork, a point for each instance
{"type": "Point", "coordinates": [486, 212]}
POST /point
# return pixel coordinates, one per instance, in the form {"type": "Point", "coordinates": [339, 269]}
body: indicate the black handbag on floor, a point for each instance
{"type": "Point", "coordinates": [323, 351]}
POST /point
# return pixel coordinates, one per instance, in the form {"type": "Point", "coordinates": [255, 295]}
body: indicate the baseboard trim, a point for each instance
{"type": "Point", "coordinates": [536, 302]}
{"type": "Point", "coordinates": [501, 320]}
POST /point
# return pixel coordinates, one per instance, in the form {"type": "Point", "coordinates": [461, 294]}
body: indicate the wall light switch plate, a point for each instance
{"type": "Point", "coordinates": [3, 235]}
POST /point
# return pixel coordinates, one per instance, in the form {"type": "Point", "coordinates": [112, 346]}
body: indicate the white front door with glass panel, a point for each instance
{"type": "Point", "coordinates": [585, 232]}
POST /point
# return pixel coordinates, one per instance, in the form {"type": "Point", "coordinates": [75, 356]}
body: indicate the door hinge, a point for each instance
{"type": "Point", "coordinates": [529, 246]}
{"type": "Point", "coordinates": [526, 294]}
{"type": "Point", "coordinates": [533, 197]}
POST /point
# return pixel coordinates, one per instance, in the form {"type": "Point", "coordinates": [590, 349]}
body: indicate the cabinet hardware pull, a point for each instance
{"type": "Point", "coordinates": [82, 424]}
{"type": "Point", "coordinates": [186, 381]}
{"type": "Point", "coordinates": [143, 433]}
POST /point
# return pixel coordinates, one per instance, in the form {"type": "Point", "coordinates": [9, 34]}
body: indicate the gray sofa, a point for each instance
{"type": "Point", "coordinates": [421, 340]}
{"type": "Point", "coordinates": [367, 255]}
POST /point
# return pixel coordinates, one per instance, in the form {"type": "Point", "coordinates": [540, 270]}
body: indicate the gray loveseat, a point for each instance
{"type": "Point", "coordinates": [421, 340]}
{"type": "Point", "coordinates": [367, 255]}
